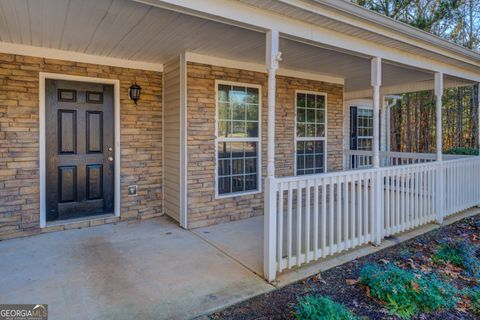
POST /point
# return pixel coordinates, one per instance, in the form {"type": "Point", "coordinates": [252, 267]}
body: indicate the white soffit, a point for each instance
{"type": "Point", "coordinates": [122, 29]}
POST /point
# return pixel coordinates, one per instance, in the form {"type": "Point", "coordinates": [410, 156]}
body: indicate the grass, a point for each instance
{"type": "Point", "coordinates": [405, 292]}
{"type": "Point", "coordinates": [312, 307]}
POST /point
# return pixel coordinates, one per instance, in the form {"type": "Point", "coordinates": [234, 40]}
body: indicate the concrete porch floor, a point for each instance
{"type": "Point", "coordinates": [142, 270]}
{"type": "Point", "coordinates": [151, 269]}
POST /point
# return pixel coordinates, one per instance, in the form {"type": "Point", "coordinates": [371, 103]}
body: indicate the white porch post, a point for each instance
{"type": "Point", "coordinates": [376, 81]}
{"type": "Point", "coordinates": [439, 146]}
{"type": "Point", "coordinates": [270, 205]}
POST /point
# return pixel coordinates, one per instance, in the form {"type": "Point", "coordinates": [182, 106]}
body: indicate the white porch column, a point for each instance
{"type": "Point", "coordinates": [272, 60]}
{"type": "Point", "coordinates": [376, 80]}
{"type": "Point", "coordinates": [439, 145]}
{"type": "Point", "coordinates": [376, 83]}
{"type": "Point", "coordinates": [270, 195]}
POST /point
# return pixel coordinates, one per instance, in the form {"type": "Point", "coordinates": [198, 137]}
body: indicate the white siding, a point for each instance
{"type": "Point", "coordinates": [172, 145]}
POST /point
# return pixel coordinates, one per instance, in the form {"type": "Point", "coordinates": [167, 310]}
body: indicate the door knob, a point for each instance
{"type": "Point", "coordinates": [110, 159]}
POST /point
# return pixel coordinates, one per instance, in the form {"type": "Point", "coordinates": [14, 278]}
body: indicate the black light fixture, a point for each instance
{"type": "Point", "coordinates": [134, 92]}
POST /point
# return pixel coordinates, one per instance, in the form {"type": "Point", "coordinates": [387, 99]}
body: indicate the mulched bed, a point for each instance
{"type": "Point", "coordinates": [337, 284]}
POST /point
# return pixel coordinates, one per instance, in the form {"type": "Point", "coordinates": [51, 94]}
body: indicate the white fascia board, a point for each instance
{"type": "Point", "coordinates": [243, 15]}
{"type": "Point", "coordinates": [227, 63]}
{"type": "Point", "coordinates": [41, 52]}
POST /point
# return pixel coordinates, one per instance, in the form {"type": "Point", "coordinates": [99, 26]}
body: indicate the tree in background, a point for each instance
{"type": "Point", "coordinates": [413, 118]}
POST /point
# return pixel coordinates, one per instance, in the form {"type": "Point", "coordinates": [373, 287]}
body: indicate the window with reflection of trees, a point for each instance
{"type": "Point", "coordinates": [310, 126]}
{"type": "Point", "coordinates": [364, 129]}
{"type": "Point", "coordinates": [238, 138]}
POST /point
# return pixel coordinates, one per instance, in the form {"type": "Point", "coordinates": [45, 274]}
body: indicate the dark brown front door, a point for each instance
{"type": "Point", "coordinates": [79, 149]}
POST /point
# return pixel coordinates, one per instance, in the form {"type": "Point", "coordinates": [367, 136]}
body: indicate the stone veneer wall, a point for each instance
{"type": "Point", "coordinates": [203, 208]}
{"type": "Point", "coordinates": [141, 141]}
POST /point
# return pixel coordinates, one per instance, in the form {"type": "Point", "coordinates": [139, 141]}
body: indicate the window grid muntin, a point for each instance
{"type": "Point", "coordinates": [319, 136]}
{"type": "Point", "coordinates": [251, 101]}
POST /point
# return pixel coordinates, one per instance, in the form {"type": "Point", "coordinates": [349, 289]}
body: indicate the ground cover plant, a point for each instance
{"type": "Point", "coordinates": [433, 276]}
{"type": "Point", "coordinates": [312, 307]}
{"type": "Point", "coordinates": [460, 253]}
{"type": "Point", "coordinates": [475, 301]}
{"type": "Point", "coordinates": [406, 293]}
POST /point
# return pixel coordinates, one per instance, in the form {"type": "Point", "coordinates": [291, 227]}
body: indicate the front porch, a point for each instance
{"type": "Point", "coordinates": [152, 268]}
{"type": "Point", "coordinates": [243, 112]}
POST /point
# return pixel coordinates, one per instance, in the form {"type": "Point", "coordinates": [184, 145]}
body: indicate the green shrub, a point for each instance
{"type": "Point", "coordinates": [460, 253]}
{"type": "Point", "coordinates": [321, 308]}
{"type": "Point", "coordinates": [407, 293]}
{"type": "Point", "coordinates": [467, 151]}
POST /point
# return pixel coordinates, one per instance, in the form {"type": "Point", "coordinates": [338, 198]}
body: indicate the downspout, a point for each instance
{"type": "Point", "coordinates": [394, 100]}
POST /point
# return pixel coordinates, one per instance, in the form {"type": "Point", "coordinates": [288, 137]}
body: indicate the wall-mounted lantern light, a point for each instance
{"type": "Point", "coordinates": [134, 92]}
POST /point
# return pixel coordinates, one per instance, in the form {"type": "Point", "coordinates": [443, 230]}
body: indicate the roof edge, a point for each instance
{"type": "Point", "coordinates": [349, 8]}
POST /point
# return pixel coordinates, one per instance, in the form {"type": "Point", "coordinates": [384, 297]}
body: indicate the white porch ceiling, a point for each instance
{"type": "Point", "coordinates": [120, 29]}
{"type": "Point", "coordinates": [129, 30]}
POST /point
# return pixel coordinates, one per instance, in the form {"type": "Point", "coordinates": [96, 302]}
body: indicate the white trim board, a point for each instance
{"type": "Point", "coordinates": [42, 157]}
{"type": "Point", "coordinates": [41, 52]}
{"type": "Point", "coordinates": [256, 67]}
{"type": "Point", "coordinates": [183, 143]}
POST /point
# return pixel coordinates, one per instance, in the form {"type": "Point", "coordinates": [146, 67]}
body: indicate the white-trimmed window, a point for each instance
{"type": "Point", "coordinates": [361, 134]}
{"type": "Point", "coordinates": [365, 129]}
{"type": "Point", "coordinates": [238, 138]}
{"type": "Point", "coordinates": [311, 124]}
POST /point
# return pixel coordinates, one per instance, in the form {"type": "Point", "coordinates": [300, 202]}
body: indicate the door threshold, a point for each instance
{"type": "Point", "coordinates": [81, 219]}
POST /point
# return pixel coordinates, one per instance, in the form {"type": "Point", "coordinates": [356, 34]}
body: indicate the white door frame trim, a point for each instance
{"type": "Point", "coordinates": [42, 122]}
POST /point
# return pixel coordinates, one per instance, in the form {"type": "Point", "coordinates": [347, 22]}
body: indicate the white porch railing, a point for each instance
{"type": "Point", "coordinates": [311, 217]}
{"type": "Point", "coordinates": [359, 159]}
{"type": "Point", "coordinates": [462, 184]}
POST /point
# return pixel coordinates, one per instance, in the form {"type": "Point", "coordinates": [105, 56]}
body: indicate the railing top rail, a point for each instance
{"type": "Point", "coordinates": [412, 155]}
{"type": "Point", "coordinates": [409, 166]}
{"type": "Point", "coordinates": [457, 156]}
{"type": "Point", "coordinates": [464, 158]}
{"type": "Point", "coordinates": [358, 152]}
{"type": "Point", "coordinates": [336, 174]}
